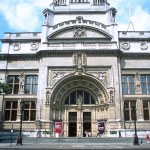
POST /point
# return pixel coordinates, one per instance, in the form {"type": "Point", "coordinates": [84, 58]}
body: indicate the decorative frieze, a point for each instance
{"type": "Point", "coordinates": [125, 45]}
{"type": "Point", "coordinates": [34, 46]}
{"type": "Point", "coordinates": [144, 45]}
{"type": "Point", "coordinates": [16, 46]}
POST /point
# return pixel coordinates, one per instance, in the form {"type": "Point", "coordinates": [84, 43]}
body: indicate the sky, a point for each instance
{"type": "Point", "coordinates": [26, 15]}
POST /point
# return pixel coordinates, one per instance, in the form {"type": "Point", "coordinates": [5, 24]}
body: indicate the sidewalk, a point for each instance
{"type": "Point", "coordinates": [67, 146]}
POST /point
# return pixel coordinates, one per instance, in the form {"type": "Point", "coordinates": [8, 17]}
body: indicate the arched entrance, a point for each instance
{"type": "Point", "coordinates": [76, 101]}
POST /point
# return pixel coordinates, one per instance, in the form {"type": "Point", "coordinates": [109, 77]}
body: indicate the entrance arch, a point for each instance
{"type": "Point", "coordinates": [75, 101]}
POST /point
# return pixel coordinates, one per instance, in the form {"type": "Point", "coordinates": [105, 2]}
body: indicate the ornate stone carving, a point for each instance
{"type": "Point", "coordinates": [101, 75]}
{"type": "Point", "coordinates": [137, 83]}
{"type": "Point", "coordinates": [34, 46]}
{"type": "Point", "coordinates": [79, 33]}
{"type": "Point", "coordinates": [143, 45]}
{"type": "Point", "coordinates": [125, 45]}
{"type": "Point", "coordinates": [112, 95]}
{"type": "Point", "coordinates": [79, 60]}
{"type": "Point", "coordinates": [16, 46]}
{"type": "Point", "coordinates": [57, 75]}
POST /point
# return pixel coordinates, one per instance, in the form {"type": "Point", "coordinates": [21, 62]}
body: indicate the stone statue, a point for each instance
{"type": "Point", "coordinates": [21, 81]}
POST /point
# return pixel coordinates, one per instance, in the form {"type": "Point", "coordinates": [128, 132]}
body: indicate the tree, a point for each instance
{"type": "Point", "coordinates": [4, 88]}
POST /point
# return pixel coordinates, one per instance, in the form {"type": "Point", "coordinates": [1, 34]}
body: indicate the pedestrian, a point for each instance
{"type": "Point", "coordinates": [19, 140]}
{"type": "Point", "coordinates": [89, 133]}
{"type": "Point", "coordinates": [119, 134]}
{"type": "Point", "coordinates": [147, 138]}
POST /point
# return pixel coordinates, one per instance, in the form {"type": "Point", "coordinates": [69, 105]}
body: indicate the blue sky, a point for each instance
{"type": "Point", "coordinates": [26, 15]}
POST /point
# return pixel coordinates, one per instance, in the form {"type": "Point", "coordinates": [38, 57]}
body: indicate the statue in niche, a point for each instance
{"type": "Point", "coordinates": [21, 81]}
{"type": "Point", "coordinates": [79, 100]}
{"type": "Point", "coordinates": [111, 96]}
{"type": "Point", "coordinates": [138, 83]}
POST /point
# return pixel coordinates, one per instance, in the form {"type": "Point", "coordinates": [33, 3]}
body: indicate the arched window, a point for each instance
{"type": "Point", "coordinates": [79, 96]}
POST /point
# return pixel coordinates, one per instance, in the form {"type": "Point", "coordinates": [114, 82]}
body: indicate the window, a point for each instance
{"type": "Point", "coordinates": [31, 84]}
{"type": "Point", "coordinates": [128, 111]}
{"type": "Point", "coordinates": [146, 109]}
{"type": "Point", "coordinates": [29, 113]}
{"type": "Point", "coordinates": [80, 96]}
{"type": "Point", "coordinates": [145, 83]}
{"type": "Point", "coordinates": [11, 110]}
{"type": "Point", "coordinates": [13, 82]}
{"type": "Point", "coordinates": [128, 84]}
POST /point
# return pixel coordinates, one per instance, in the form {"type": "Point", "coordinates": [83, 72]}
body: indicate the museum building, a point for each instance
{"type": "Point", "coordinates": [78, 74]}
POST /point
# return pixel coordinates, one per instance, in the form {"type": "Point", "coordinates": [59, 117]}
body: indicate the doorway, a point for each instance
{"type": "Point", "coordinates": [72, 130]}
{"type": "Point", "coordinates": [86, 123]}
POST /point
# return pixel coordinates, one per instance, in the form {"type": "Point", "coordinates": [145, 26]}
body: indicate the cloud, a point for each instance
{"type": "Point", "coordinates": [27, 15]}
{"type": "Point", "coordinates": [23, 16]}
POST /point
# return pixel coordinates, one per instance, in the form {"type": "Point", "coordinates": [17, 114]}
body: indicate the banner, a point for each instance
{"type": "Point", "coordinates": [101, 127]}
{"type": "Point", "coordinates": [58, 127]}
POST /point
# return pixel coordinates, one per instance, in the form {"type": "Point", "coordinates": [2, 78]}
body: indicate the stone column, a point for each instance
{"type": "Point", "coordinates": [1, 110]}
{"type": "Point", "coordinates": [139, 110]}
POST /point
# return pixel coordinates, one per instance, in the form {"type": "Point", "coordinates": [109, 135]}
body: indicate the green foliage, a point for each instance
{"type": "Point", "coordinates": [4, 88]}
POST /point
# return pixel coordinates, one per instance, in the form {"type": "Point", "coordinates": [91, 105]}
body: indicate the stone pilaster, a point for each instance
{"type": "Point", "coordinates": [1, 109]}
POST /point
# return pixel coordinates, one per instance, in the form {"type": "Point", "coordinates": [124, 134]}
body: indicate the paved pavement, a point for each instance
{"type": "Point", "coordinates": [75, 146]}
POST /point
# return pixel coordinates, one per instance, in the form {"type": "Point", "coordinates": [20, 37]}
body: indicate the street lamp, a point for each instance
{"type": "Point", "coordinates": [19, 140]}
{"type": "Point", "coordinates": [136, 141]}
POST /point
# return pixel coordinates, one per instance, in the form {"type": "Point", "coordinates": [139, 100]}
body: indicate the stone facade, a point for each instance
{"type": "Point", "coordinates": [78, 74]}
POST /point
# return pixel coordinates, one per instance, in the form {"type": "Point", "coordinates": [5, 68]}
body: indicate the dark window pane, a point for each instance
{"type": "Point", "coordinates": [145, 104]}
{"type": "Point", "coordinates": [27, 105]}
{"type": "Point", "coordinates": [146, 114]}
{"type": "Point", "coordinates": [33, 106]}
{"type": "Point", "coordinates": [86, 98]}
{"type": "Point", "coordinates": [124, 85]}
{"type": "Point", "coordinates": [8, 105]}
{"type": "Point", "coordinates": [14, 104]}
{"type": "Point", "coordinates": [13, 115]}
{"type": "Point", "coordinates": [26, 115]}
{"type": "Point", "coordinates": [126, 115]}
{"type": "Point", "coordinates": [148, 82]}
{"type": "Point", "coordinates": [67, 100]}
{"type": "Point", "coordinates": [33, 115]}
{"type": "Point", "coordinates": [86, 116]}
{"type": "Point", "coordinates": [126, 104]}
{"type": "Point", "coordinates": [73, 98]}
{"type": "Point", "coordinates": [92, 100]}
{"type": "Point", "coordinates": [7, 115]}
{"type": "Point", "coordinates": [16, 89]}
{"type": "Point", "coordinates": [72, 116]}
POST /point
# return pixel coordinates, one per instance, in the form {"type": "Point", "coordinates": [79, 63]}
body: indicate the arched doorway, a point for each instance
{"type": "Point", "coordinates": [81, 99]}
{"type": "Point", "coordinates": [78, 100]}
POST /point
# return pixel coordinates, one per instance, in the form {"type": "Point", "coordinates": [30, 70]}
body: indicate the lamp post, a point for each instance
{"type": "Point", "coordinates": [19, 140]}
{"type": "Point", "coordinates": [136, 141]}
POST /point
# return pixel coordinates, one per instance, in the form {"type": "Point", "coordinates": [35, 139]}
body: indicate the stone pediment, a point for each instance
{"type": "Point", "coordinates": [79, 28]}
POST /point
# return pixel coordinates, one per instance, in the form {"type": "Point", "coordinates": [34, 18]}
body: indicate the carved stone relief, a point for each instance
{"type": "Point", "coordinates": [34, 46]}
{"type": "Point", "coordinates": [79, 33]}
{"type": "Point", "coordinates": [16, 46]}
{"type": "Point", "coordinates": [143, 45]}
{"type": "Point", "coordinates": [125, 45]}
{"type": "Point", "coordinates": [101, 75]}
{"type": "Point", "coordinates": [57, 75]}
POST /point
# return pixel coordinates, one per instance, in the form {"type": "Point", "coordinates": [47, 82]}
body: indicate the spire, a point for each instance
{"type": "Point", "coordinates": [130, 23]}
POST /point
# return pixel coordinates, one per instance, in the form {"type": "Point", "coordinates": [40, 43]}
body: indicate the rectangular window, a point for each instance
{"type": "Point", "coordinates": [146, 109]}
{"type": "Point", "coordinates": [128, 84]}
{"type": "Point", "coordinates": [31, 84]}
{"type": "Point", "coordinates": [145, 84]}
{"type": "Point", "coordinates": [128, 110]}
{"type": "Point", "coordinates": [11, 110]}
{"type": "Point", "coordinates": [29, 113]}
{"type": "Point", "coordinates": [13, 82]}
